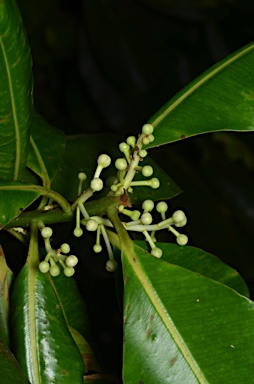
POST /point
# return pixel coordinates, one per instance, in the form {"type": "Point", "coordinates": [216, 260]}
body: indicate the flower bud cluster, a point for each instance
{"type": "Point", "coordinates": [55, 259]}
{"type": "Point", "coordinates": [144, 223]}
{"type": "Point", "coordinates": [128, 166]}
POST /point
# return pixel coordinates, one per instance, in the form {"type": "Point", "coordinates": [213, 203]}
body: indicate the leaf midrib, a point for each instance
{"type": "Point", "coordinates": [45, 176]}
{"type": "Point", "coordinates": [198, 84]}
{"type": "Point", "coordinates": [32, 325]}
{"type": "Point", "coordinates": [144, 281]}
{"type": "Point", "coordinates": [15, 119]}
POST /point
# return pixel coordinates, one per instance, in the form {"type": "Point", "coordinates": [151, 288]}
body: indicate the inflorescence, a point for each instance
{"type": "Point", "coordinates": [55, 259]}
{"type": "Point", "coordinates": [127, 167]}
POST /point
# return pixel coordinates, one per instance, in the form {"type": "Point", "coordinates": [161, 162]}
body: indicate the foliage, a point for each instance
{"type": "Point", "coordinates": [187, 316]}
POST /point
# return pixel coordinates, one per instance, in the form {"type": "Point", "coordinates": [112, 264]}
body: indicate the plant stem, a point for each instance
{"type": "Point", "coordinates": [124, 238]}
{"type": "Point", "coordinates": [33, 251]}
{"type": "Point", "coordinates": [55, 216]}
{"type": "Point", "coordinates": [132, 170]}
{"type": "Point", "coordinates": [44, 192]}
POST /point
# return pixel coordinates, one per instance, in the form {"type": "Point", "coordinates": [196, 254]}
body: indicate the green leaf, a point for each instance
{"type": "Point", "coordinates": [6, 279]}
{"type": "Point", "coordinates": [16, 102]}
{"type": "Point", "coordinates": [46, 149]}
{"type": "Point", "coordinates": [72, 303]}
{"type": "Point", "coordinates": [167, 189]}
{"type": "Point", "coordinates": [41, 340]}
{"type": "Point", "coordinates": [220, 99]}
{"type": "Point", "coordinates": [182, 327]}
{"type": "Point", "coordinates": [9, 368]}
{"type": "Point", "coordinates": [201, 262]}
{"type": "Point", "coordinates": [14, 198]}
{"type": "Point", "coordinates": [81, 156]}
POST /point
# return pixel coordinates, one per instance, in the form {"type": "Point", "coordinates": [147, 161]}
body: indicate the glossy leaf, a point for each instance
{"type": "Point", "coordinates": [46, 148]}
{"type": "Point", "coordinates": [81, 156]}
{"type": "Point", "coordinates": [72, 303]}
{"type": "Point", "coordinates": [9, 368]}
{"type": "Point", "coordinates": [42, 342]}
{"type": "Point", "coordinates": [201, 262]}
{"type": "Point", "coordinates": [16, 102]}
{"type": "Point", "coordinates": [204, 328]}
{"type": "Point", "coordinates": [14, 198]}
{"type": "Point", "coordinates": [219, 99]}
{"type": "Point", "coordinates": [6, 279]}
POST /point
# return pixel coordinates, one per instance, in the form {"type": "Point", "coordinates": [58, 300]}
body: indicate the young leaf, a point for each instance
{"type": "Point", "coordinates": [181, 327]}
{"type": "Point", "coordinates": [219, 99]}
{"type": "Point", "coordinates": [45, 150]}
{"type": "Point", "coordinates": [9, 368]}
{"type": "Point", "coordinates": [201, 262]}
{"type": "Point", "coordinates": [16, 102]}
{"type": "Point", "coordinates": [6, 279]}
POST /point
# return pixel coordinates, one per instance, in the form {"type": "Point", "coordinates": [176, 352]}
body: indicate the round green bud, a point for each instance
{"type": "Point", "coordinates": [46, 232]}
{"type": "Point", "coordinates": [82, 176]}
{"type": "Point", "coordinates": [157, 252]}
{"type": "Point", "coordinates": [104, 160]}
{"type": "Point", "coordinates": [71, 261]}
{"type": "Point", "coordinates": [162, 207]}
{"type": "Point", "coordinates": [135, 215]}
{"type": "Point", "coordinates": [91, 225]}
{"type": "Point", "coordinates": [96, 184]}
{"type": "Point", "coordinates": [154, 183]}
{"type": "Point", "coordinates": [131, 140]}
{"type": "Point", "coordinates": [124, 147]}
{"type": "Point", "coordinates": [120, 191]}
{"type": "Point", "coordinates": [147, 129]}
{"type": "Point", "coordinates": [147, 171]}
{"type": "Point", "coordinates": [54, 270]}
{"type": "Point", "coordinates": [182, 239]}
{"type": "Point", "coordinates": [181, 223]}
{"type": "Point", "coordinates": [148, 205]}
{"type": "Point", "coordinates": [111, 265]}
{"type": "Point", "coordinates": [178, 216]}
{"type": "Point", "coordinates": [44, 266]}
{"type": "Point", "coordinates": [78, 232]}
{"type": "Point", "coordinates": [65, 248]}
{"type": "Point", "coordinates": [121, 164]}
{"type": "Point", "coordinates": [146, 218]}
{"type": "Point", "coordinates": [145, 141]}
{"type": "Point", "coordinates": [114, 188]}
{"type": "Point", "coordinates": [151, 138]}
{"type": "Point", "coordinates": [143, 153]}
{"type": "Point", "coordinates": [130, 190]}
{"type": "Point", "coordinates": [69, 271]}
{"type": "Point", "coordinates": [97, 248]}
{"type": "Point", "coordinates": [120, 208]}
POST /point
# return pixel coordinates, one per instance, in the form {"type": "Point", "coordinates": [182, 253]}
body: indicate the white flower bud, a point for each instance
{"type": "Point", "coordinates": [46, 232]}
{"type": "Point", "coordinates": [96, 184]}
{"type": "Point", "coordinates": [147, 129]}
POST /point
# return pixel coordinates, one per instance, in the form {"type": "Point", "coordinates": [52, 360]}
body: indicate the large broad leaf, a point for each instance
{"type": "Point", "coordinates": [182, 327]}
{"type": "Point", "coordinates": [9, 368]}
{"type": "Point", "coordinates": [16, 103]}
{"type": "Point", "coordinates": [222, 98]}
{"type": "Point", "coordinates": [201, 262]}
{"type": "Point", "coordinates": [46, 149]}
{"type": "Point", "coordinates": [81, 155]}
{"type": "Point", "coordinates": [6, 279]}
{"type": "Point", "coordinates": [14, 198]}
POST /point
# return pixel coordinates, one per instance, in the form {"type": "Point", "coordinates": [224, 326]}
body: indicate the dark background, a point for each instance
{"type": "Point", "coordinates": [103, 66]}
